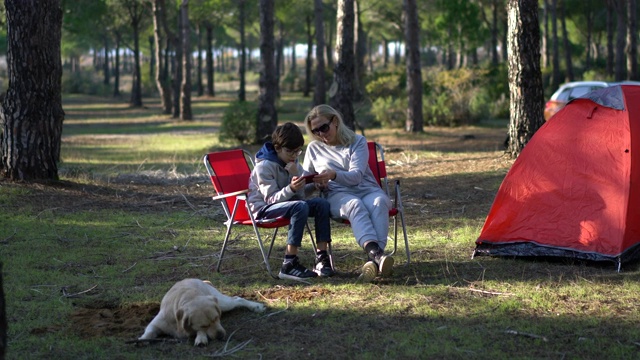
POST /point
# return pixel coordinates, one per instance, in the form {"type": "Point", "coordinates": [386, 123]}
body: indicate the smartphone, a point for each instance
{"type": "Point", "coordinates": [309, 178]}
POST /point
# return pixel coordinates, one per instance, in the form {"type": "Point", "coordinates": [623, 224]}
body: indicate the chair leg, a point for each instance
{"type": "Point", "coordinates": [395, 235]}
{"type": "Point", "coordinates": [406, 239]}
{"type": "Point", "coordinates": [265, 257]}
{"type": "Point", "coordinates": [315, 248]}
{"type": "Point", "coordinates": [224, 245]}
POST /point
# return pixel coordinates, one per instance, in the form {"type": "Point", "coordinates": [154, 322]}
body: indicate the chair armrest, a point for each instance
{"type": "Point", "coordinates": [236, 193]}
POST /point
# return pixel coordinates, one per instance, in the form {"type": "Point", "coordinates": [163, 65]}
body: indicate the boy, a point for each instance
{"type": "Point", "coordinates": [276, 188]}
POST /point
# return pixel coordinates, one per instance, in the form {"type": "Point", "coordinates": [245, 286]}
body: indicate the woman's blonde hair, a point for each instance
{"type": "Point", "coordinates": [345, 135]}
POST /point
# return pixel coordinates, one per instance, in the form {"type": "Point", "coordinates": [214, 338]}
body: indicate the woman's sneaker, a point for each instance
{"type": "Point", "coordinates": [384, 262]}
{"type": "Point", "coordinates": [295, 271]}
{"type": "Point", "coordinates": [369, 272]}
{"type": "Point", "coordinates": [323, 265]}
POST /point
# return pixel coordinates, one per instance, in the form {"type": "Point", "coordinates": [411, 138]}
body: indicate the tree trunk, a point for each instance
{"type": "Point", "coordinates": [329, 48]}
{"type": "Point", "coordinates": [567, 45]}
{"type": "Point", "coordinates": [610, 56]}
{"type": "Point", "coordinates": [545, 36]}
{"type": "Point", "coordinates": [161, 78]}
{"type": "Point", "coordinates": [105, 65]}
{"type": "Point", "coordinates": [309, 60]}
{"type": "Point", "coordinates": [242, 96]}
{"type": "Point", "coordinates": [210, 66]}
{"type": "Point", "coordinates": [199, 63]}
{"type": "Point", "coordinates": [176, 79]}
{"type": "Point", "coordinates": [556, 78]}
{"type": "Point", "coordinates": [414, 122]}
{"type": "Point", "coordinates": [341, 92]}
{"type": "Point", "coordinates": [185, 88]}
{"type": "Point", "coordinates": [267, 119]}
{"type": "Point", "coordinates": [621, 36]}
{"type": "Point", "coordinates": [361, 53]}
{"type": "Point", "coordinates": [136, 86]}
{"type": "Point", "coordinates": [31, 111]}
{"type": "Point", "coordinates": [116, 66]}
{"type": "Point", "coordinates": [632, 41]}
{"type": "Point", "coordinates": [525, 79]}
{"type": "Point", "coordinates": [494, 33]}
{"type": "Point", "coordinates": [319, 94]}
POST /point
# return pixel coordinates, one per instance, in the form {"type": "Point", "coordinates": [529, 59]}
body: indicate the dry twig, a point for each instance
{"type": "Point", "coordinates": [533, 336]}
{"type": "Point", "coordinates": [67, 295]}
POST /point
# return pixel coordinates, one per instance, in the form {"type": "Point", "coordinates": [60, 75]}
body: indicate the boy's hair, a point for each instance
{"type": "Point", "coordinates": [287, 135]}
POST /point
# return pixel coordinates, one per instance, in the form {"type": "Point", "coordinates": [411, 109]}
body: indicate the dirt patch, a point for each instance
{"type": "Point", "coordinates": [126, 322]}
{"type": "Point", "coordinates": [129, 322]}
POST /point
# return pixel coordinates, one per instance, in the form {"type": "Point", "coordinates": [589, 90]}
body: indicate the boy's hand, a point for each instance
{"type": "Point", "coordinates": [297, 183]}
{"type": "Point", "coordinates": [291, 168]}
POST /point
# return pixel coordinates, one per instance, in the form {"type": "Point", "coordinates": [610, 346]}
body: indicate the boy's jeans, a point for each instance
{"type": "Point", "coordinates": [297, 211]}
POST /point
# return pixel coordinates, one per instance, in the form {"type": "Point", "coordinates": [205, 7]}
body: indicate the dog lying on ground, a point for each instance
{"type": "Point", "coordinates": [192, 307]}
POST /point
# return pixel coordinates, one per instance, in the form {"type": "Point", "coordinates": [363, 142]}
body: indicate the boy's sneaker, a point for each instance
{"type": "Point", "coordinates": [369, 272]}
{"type": "Point", "coordinates": [323, 265]}
{"type": "Point", "coordinates": [295, 271]}
{"type": "Point", "coordinates": [384, 262]}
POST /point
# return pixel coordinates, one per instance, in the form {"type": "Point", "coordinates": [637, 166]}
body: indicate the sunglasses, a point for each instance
{"type": "Point", "coordinates": [322, 128]}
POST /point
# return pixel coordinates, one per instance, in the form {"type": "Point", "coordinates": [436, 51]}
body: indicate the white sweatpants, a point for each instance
{"type": "Point", "coordinates": [368, 212]}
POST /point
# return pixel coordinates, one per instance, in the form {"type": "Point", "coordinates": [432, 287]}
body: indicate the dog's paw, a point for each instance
{"type": "Point", "coordinates": [258, 307]}
{"type": "Point", "coordinates": [201, 339]}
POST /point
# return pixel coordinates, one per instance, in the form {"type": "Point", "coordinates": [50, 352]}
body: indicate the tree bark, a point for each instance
{"type": "Point", "coordinates": [267, 119]}
{"type": "Point", "coordinates": [414, 122]}
{"type": "Point", "coordinates": [199, 62]}
{"type": "Point", "coordinates": [31, 111]}
{"type": "Point", "coordinates": [185, 87]}
{"type": "Point", "coordinates": [632, 41]}
{"type": "Point", "coordinates": [341, 92]}
{"type": "Point", "coordinates": [116, 65]}
{"type": "Point", "coordinates": [567, 45]}
{"type": "Point", "coordinates": [525, 79]}
{"type": "Point", "coordinates": [621, 36]}
{"type": "Point", "coordinates": [135, 16]}
{"type": "Point", "coordinates": [556, 78]}
{"type": "Point", "coordinates": [242, 95]}
{"type": "Point", "coordinates": [308, 60]}
{"type": "Point", "coordinates": [545, 36]}
{"type": "Point", "coordinates": [162, 81]}
{"type": "Point", "coordinates": [320, 93]}
{"type": "Point", "coordinates": [610, 55]}
{"type": "Point", "coordinates": [211, 91]}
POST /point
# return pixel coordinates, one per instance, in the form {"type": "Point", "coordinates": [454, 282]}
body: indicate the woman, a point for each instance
{"type": "Point", "coordinates": [341, 157]}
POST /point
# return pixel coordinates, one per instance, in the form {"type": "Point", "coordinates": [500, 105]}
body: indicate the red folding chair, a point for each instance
{"type": "Point", "coordinates": [229, 172]}
{"type": "Point", "coordinates": [379, 169]}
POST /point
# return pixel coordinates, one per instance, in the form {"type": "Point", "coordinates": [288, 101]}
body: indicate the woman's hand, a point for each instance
{"type": "Point", "coordinates": [322, 179]}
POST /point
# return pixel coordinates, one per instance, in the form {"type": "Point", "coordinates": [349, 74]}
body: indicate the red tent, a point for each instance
{"type": "Point", "coordinates": [574, 191]}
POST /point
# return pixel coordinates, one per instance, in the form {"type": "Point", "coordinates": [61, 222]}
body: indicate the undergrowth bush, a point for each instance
{"type": "Point", "coordinates": [84, 82]}
{"type": "Point", "coordinates": [239, 123]}
{"type": "Point", "coordinates": [450, 97]}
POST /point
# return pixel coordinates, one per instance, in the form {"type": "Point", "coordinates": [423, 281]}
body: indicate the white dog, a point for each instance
{"type": "Point", "coordinates": [193, 307]}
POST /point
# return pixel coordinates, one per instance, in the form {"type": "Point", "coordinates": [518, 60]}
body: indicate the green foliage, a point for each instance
{"type": "Point", "coordinates": [390, 111]}
{"type": "Point", "coordinates": [455, 97]}
{"type": "Point", "coordinates": [83, 82]}
{"type": "Point", "coordinates": [148, 82]}
{"type": "Point", "coordinates": [239, 123]}
{"type": "Point", "coordinates": [387, 84]}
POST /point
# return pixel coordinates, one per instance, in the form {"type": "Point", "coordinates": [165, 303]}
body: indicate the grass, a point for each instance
{"type": "Point", "coordinates": [87, 259]}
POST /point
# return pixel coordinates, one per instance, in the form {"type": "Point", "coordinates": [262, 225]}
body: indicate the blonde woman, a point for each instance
{"type": "Point", "coordinates": [341, 157]}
